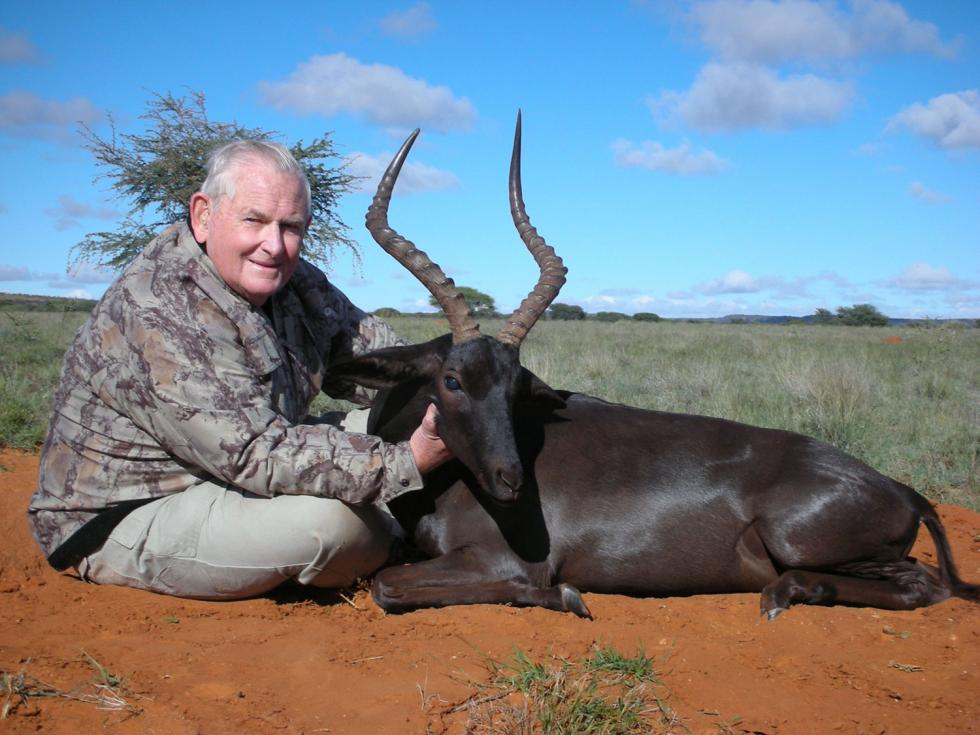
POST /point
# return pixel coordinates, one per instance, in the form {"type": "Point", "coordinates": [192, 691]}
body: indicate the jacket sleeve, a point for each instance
{"type": "Point", "coordinates": [189, 384]}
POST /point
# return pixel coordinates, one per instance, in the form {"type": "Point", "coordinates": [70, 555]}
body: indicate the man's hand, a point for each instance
{"type": "Point", "coordinates": [427, 446]}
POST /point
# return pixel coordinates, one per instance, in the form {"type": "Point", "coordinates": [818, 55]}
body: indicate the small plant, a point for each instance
{"type": "Point", "coordinates": [601, 694]}
{"type": "Point", "coordinates": [17, 689]}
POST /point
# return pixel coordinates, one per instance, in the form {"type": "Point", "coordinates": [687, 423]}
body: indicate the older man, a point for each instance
{"type": "Point", "coordinates": [180, 458]}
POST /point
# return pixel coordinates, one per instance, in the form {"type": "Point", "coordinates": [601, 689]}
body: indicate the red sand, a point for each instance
{"type": "Point", "coordinates": [314, 663]}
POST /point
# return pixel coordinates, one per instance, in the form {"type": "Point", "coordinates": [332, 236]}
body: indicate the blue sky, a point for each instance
{"type": "Point", "coordinates": [687, 158]}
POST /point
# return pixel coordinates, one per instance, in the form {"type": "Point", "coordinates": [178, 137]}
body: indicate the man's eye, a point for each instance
{"type": "Point", "coordinates": [452, 383]}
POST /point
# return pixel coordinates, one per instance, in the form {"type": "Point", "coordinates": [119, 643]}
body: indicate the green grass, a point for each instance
{"type": "Point", "coordinates": [910, 410]}
{"type": "Point", "coordinates": [603, 693]}
{"type": "Point", "coordinates": [32, 347]}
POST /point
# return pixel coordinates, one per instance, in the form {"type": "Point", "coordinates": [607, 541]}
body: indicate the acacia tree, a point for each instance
{"type": "Point", "coordinates": [157, 171]}
{"type": "Point", "coordinates": [647, 316]}
{"type": "Point", "coordinates": [567, 312]}
{"type": "Point", "coordinates": [861, 315]}
{"type": "Point", "coordinates": [480, 303]}
{"type": "Point", "coordinates": [824, 316]}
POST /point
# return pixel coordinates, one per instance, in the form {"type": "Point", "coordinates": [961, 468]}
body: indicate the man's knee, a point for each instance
{"type": "Point", "coordinates": [348, 542]}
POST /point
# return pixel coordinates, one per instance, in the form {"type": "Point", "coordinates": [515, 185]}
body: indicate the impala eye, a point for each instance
{"type": "Point", "coordinates": [452, 383]}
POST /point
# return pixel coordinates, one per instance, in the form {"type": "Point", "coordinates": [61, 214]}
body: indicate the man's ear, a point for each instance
{"type": "Point", "coordinates": [200, 213]}
{"type": "Point", "coordinates": [393, 365]}
{"type": "Point", "coordinates": [536, 391]}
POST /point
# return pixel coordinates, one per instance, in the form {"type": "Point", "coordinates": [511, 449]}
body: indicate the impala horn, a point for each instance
{"type": "Point", "coordinates": [553, 271]}
{"type": "Point", "coordinates": [461, 321]}
{"type": "Point", "coordinates": [454, 306]}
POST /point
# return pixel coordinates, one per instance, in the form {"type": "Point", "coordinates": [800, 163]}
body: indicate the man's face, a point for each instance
{"type": "Point", "coordinates": [254, 237]}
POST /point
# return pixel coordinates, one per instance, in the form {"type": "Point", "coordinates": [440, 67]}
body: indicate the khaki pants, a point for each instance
{"type": "Point", "coordinates": [212, 542]}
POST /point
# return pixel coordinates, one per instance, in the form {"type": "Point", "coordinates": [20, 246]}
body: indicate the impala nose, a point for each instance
{"type": "Point", "coordinates": [510, 478]}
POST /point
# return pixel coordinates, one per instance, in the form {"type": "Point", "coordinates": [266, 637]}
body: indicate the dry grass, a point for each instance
{"type": "Point", "coordinates": [107, 692]}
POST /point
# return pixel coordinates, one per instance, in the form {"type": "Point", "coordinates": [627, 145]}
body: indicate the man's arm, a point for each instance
{"type": "Point", "coordinates": [188, 383]}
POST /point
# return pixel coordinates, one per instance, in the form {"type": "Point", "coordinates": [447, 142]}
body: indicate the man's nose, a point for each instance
{"type": "Point", "coordinates": [273, 240]}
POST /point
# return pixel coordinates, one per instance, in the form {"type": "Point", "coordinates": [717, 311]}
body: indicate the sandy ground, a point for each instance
{"type": "Point", "coordinates": [299, 663]}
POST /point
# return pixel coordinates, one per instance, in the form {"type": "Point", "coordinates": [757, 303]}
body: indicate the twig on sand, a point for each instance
{"type": "Point", "coordinates": [350, 601]}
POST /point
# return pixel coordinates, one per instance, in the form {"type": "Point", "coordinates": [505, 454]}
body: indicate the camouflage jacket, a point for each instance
{"type": "Point", "coordinates": [175, 380]}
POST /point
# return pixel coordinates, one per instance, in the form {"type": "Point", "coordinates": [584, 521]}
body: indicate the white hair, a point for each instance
{"type": "Point", "coordinates": [220, 180]}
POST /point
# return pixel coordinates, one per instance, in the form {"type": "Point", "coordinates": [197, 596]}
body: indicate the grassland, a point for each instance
{"type": "Point", "coordinates": [32, 346]}
{"type": "Point", "coordinates": [911, 410]}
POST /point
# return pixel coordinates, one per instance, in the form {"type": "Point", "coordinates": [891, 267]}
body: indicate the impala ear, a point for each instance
{"type": "Point", "coordinates": [537, 391]}
{"type": "Point", "coordinates": [393, 365]}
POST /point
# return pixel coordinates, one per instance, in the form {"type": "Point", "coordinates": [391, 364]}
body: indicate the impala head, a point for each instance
{"type": "Point", "coordinates": [472, 378]}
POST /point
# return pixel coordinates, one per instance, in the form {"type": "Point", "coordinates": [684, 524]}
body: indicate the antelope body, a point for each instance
{"type": "Point", "coordinates": [553, 492]}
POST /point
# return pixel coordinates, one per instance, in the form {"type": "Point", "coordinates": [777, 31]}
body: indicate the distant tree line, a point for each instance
{"type": "Point", "coordinates": [571, 312]}
{"type": "Point", "coordinates": [483, 305]}
{"type": "Point", "coordinates": [23, 302]}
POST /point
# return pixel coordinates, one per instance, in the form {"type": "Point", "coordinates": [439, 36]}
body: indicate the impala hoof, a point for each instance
{"type": "Point", "coordinates": [774, 613]}
{"type": "Point", "coordinates": [572, 601]}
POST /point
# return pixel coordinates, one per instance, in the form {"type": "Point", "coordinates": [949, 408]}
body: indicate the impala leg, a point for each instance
{"type": "Point", "coordinates": [903, 585]}
{"type": "Point", "coordinates": [461, 578]}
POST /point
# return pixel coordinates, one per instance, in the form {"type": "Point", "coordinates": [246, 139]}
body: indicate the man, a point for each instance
{"type": "Point", "coordinates": [179, 457]}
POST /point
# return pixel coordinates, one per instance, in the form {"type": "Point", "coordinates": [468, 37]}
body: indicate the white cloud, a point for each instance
{"type": "Point", "coordinates": [738, 281]}
{"type": "Point", "coordinates": [601, 300]}
{"type": "Point", "coordinates": [743, 86]}
{"type": "Point", "coordinates": [738, 292]}
{"type": "Point", "coordinates": [70, 212]}
{"type": "Point", "coordinates": [877, 25]}
{"type": "Point", "coordinates": [78, 293]}
{"type": "Point", "coordinates": [734, 282]}
{"type": "Point", "coordinates": [88, 273]}
{"type": "Point", "coordinates": [14, 273]}
{"type": "Point", "coordinates": [80, 274]}
{"type": "Point", "coordinates": [680, 160]}
{"type": "Point", "coordinates": [806, 30]}
{"type": "Point", "coordinates": [950, 120]}
{"type": "Point", "coordinates": [919, 191]}
{"type": "Point", "coordinates": [25, 115]}
{"type": "Point", "coordinates": [382, 94]}
{"type": "Point", "coordinates": [925, 277]}
{"type": "Point", "coordinates": [740, 95]}
{"type": "Point", "coordinates": [16, 48]}
{"type": "Point", "coordinates": [414, 176]}
{"type": "Point", "coordinates": [409, 24]}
